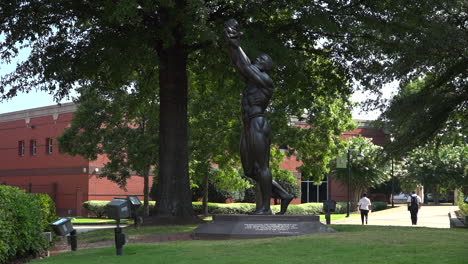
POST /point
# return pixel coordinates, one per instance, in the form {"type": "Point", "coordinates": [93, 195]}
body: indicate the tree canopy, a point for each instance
{"type": "Point", "coordinates": [319, 47]}
{"type": "Point", "coordinates": [439, 166]}
{"type": "Point", "coordinates": [420, 114]}
{"type": "Point", "coordinates": [121, 125]}
{"type": "Point", "coordinates": [367, 171]}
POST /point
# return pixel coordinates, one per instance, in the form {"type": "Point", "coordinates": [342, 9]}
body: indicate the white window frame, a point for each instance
{"type": "Point", "coordinates": [33, 146]}
{"type": "Point", "coordinates": [21, 148]}
{"type": "Point", "coordinates": [49, 145]}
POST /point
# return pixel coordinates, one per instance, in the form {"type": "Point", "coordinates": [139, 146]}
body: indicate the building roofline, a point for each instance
{"type": "Point", "coordinates": [27, 114]}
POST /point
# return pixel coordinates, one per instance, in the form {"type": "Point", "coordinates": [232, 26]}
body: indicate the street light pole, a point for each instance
{"type": "Point", "coordinates": [349, 181]}
{"type": "Point", "coordinates": [393, 184]}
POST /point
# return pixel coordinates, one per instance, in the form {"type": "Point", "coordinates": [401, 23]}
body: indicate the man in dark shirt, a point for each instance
{"type": "Point", "coordinates": [255, 139]}
{"type": "Point", "coordinates": [414, 204]}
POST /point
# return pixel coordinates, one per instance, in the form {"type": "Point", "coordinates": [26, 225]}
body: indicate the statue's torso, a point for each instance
{"type": "Point", "coordinates": [255, 100]}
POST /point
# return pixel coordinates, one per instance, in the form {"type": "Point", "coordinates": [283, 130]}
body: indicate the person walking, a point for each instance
{"type": "Point", "coordinates": [364, 206]}
{"type": "Point", "coordinates": [414, 204]}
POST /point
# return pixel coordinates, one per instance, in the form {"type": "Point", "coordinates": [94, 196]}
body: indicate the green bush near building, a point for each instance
{"type": "Point", "coordinates": [47, 206]}
{"type": "Point", "coordinates": [97, 208]}
{"type": "Point", "coordinates": [461, 204]}
{"type": "Point", "coordinates": [377, 206]}
{"type": "Point", "coordinates": [23, 218]}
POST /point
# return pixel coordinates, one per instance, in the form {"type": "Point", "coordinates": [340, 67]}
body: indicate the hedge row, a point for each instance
{"type": "Point", "coordinates": [97, 208]}
{"type": "Point", "coordinates": [23, 218]}
{"type": "Point", "coordinates": [377, 206]}
{"type": "Point", "coordinates": [461, 204]}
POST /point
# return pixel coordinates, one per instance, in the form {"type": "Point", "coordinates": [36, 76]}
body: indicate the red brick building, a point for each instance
{"type": "Point", "coordinates": [331, 189]}
{"type": "Point", "coordinates": [31, 160]}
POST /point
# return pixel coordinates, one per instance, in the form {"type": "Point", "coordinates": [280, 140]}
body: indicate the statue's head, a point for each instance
{"type": "Point", "coordinates": [264, 63]}
{"type": "Point", "coordinates": [231, 23]}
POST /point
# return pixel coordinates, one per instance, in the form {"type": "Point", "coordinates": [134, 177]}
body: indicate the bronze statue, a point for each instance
{"type": "Point", "coordinates": [255, 139]}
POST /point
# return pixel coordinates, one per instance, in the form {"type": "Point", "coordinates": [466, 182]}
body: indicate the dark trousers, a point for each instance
{"type": "Point", "coordinates": [364, 213]}
{"type": "Point", "coordinates": [414, 215]}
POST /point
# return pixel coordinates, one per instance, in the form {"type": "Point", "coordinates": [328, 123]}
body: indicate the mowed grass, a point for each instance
{"type": "Point", "coordinates": [132, 232]}
{"type": "Point", "coordinates": [352, 244]}
{"type": "Point", "coordinates": [335, 217]}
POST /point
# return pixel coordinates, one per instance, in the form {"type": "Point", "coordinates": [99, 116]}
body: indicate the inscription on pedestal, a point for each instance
{"type": "Point", "coordinates": [272, 227]}
{"type": "Point", "coordinates": [260, 226]}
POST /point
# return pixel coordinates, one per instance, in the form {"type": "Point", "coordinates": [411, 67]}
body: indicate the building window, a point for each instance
{"type": "Point", "coordinates": [49, 145]}
{"type": "Point", "coordinates": [311, 193]}
{"type": "Point", "coordinates": [21, 147]}
{"type": "Point", "coordinates": [33, 147]}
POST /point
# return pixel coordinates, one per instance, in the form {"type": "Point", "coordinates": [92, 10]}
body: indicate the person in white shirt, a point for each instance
{"type": "Point", "coordinates": [414, 204]}
{"type": "Point", "coordinates": [364, 206]}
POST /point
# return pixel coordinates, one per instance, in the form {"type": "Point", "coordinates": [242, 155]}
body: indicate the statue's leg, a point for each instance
{"type": "Point", "coordinates": [247, 164]}
{"type": "Point", "coordinates": [285, 197]}
{"type": "Point", "coordinates": [259, 152]}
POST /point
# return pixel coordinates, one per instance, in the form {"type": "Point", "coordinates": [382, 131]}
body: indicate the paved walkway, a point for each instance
{"type": "Point", "coordinates": [428, 216]}
{"type": "Point", "coordinates": [86, 228]}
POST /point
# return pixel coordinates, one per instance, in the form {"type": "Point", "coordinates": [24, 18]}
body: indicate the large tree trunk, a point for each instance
{"type": "Point", "coordinates": [174, 195]}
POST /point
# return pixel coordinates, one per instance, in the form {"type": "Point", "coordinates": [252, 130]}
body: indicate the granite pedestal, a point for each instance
{"type": "Point", "coordinates": [259, 226]}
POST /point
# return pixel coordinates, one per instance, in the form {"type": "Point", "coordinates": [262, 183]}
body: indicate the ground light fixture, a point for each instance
{"type": "Point", "coordinates": [135, 203]}
{"type": "Point", "coordinates": [63, 227]}
{"type": "Point", "coordinates": [117, 209]}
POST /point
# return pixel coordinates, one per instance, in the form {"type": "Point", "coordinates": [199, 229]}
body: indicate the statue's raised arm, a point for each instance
{"type": "Point", "coordinates": [251, 72]}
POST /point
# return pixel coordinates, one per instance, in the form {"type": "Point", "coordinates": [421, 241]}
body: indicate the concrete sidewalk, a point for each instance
{"type": "Point", "coordinates": [428, 216]}
{"type": "Point", "coordinates": [86, 228]}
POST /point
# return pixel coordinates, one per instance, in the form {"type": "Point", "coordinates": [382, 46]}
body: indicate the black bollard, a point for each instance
{"type": "Point", "coordinates": [327, 217]}
{"type": "Point", "coordinates": [119, 239]}
{"type": "Point", "coordinates": [73, 240]}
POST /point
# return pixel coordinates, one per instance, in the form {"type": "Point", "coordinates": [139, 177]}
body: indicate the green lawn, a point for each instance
{"type": "Point", "coordinates": [108, 234]}
{"type": "Point", "coordinates": [353, 244]}
{"type": "Point", "coordinates": [335, 217]}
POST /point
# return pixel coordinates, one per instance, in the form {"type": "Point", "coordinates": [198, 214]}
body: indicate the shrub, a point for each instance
{"type": "Point", "coordinates": [97, 208]}
{"type": "Point", "coordinates": [377, 206]}
{"type": "Point", "coordinates": [310, 208]}
{"type": "Point", "coordinates": [245, 208]}
{"type": "Point", "coordinates": [47, 206]}
{"type": "Point", "coordinates": [292, 188]}
{"type": "Point", "coordinates": [219, 195]}
{"type": "Point", "coordinates": [20, 233]}
{"type": "Point", "coordinates": [341, 207]}
{"type": "Point", "coordinates": [461, 204]}
{"type": "Point", "coordinates": [221, 208]}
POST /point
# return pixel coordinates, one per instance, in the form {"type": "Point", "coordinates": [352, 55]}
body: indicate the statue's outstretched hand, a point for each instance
{"type": "Point", "coordinates": [231, 33]}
